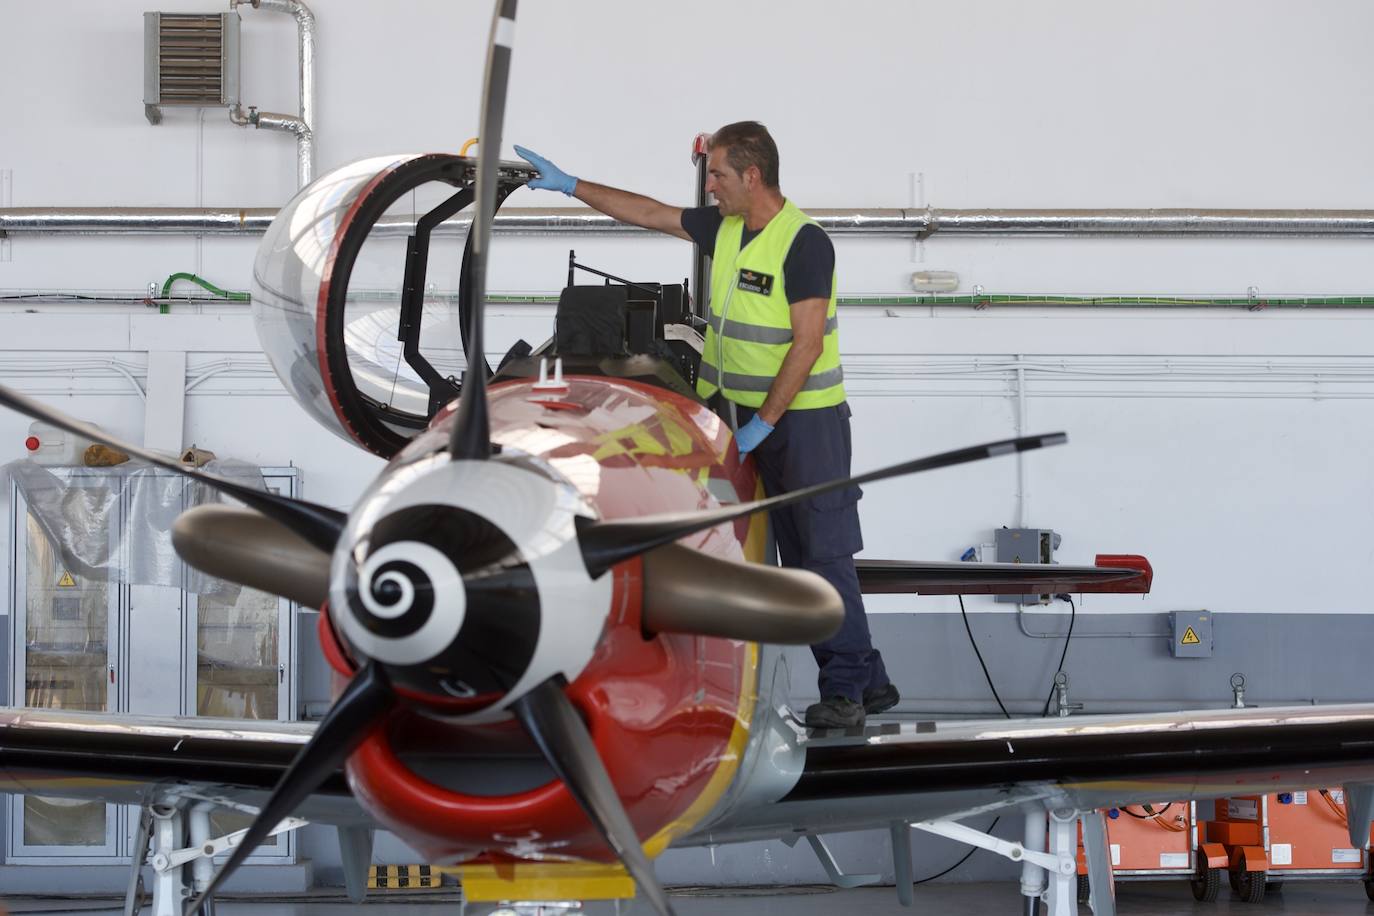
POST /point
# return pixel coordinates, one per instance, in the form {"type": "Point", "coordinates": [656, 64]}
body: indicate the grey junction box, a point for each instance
{"type": "Point", "coordinates": [1191, 634]}
{"type": "Point", "coordinates": [1025, 545]}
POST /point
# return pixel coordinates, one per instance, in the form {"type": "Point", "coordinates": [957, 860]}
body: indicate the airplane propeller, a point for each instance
{"type": "Point", "coordinates": [546, 713]}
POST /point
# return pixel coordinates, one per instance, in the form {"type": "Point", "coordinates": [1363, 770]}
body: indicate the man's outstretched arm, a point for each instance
{"type": "Point", "coordinates": [635, 209]}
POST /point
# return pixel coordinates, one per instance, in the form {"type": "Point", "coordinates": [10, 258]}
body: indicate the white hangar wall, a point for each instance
{"type": "Point", "coordinates": [1229, 446]}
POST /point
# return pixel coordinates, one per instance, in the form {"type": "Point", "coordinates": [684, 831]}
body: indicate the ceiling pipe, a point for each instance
{"type": "Point", "coordinates": [302, 126]}
{"type": "Point", "coordinates": [581, 221]}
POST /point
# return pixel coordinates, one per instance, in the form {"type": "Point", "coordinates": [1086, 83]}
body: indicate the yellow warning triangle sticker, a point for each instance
{"type": "Point", "coordinates": [1189, 638]}
{"type": "Point", "coordinates": [66, 581]}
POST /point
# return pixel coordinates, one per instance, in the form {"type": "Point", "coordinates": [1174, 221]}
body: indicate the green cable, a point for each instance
{"type": "Point", "coordinates": [205, 285]}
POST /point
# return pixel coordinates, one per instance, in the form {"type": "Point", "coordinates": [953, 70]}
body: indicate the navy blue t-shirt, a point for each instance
{"type": "Point", "coordinates": [808, 269]}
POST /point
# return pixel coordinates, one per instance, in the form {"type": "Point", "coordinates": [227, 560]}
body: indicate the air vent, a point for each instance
{"type": "Point", "coordinates": [190, 60]}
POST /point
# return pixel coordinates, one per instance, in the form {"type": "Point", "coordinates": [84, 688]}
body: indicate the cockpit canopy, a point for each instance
{"type": "Point", "coordinates": [346, 294]}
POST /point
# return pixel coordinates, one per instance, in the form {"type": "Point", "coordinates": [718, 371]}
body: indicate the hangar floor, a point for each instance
{"type": "Point", "coordinates": [1134, 899]}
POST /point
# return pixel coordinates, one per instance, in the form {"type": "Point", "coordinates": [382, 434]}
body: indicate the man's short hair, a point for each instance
{"type": "Point", "coordinates": [749, 143]}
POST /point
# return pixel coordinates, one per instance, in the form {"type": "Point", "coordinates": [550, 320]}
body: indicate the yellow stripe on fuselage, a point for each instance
{"type": "Point", "coordinates": [728, 763]}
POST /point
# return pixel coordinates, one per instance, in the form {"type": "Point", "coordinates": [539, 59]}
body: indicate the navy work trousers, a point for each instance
{"type": "Point", "coordinates": [822, 534]}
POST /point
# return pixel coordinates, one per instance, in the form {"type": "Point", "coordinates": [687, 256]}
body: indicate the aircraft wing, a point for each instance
{"type": "Point", "coordinates": [922, 770]}
{"type": "Point", "coordinates": [139, 760]}
{"type": "Point", "coordinates": [1113, 573]}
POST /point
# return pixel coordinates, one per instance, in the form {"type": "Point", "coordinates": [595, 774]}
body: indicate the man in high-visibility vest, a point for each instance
{"type": "Point", "coordinates": [772, 360]}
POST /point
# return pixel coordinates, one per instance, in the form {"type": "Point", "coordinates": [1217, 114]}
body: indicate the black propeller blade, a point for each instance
{"type": "Point", "coordinates": [319, 525]}
{"type": "Point", "coordinates": [607, 543]}
{"type": "Point", "coordinates": [366, 698]}
{"type": "Point", "coordinates": [471, 436]}
{"type": "Point", "coordinates": [551, 720]}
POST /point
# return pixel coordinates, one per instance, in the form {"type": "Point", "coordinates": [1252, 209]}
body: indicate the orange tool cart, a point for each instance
{"type": "Point", "coordinates": [1155, 840]}
{"type": "Point", "coordinates": [1269, 838]}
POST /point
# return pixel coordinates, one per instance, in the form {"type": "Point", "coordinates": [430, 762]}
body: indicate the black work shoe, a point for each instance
{"type": "Point", "coordinates": [880, 699]}
{"type": "Point", "coordinates": [835, 712]}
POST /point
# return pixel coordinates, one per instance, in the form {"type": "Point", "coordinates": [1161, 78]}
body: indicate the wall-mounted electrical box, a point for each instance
{"type": "Point", "coordinates": [190, 60]}
{"type": "Point", "coordinates": [1192, 634]}
{"type": "Point", "coordinates": [1025, 545]}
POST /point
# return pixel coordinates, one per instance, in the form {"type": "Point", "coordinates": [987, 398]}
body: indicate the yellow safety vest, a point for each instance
{"type": "Point", "coordinates": [751, 322]}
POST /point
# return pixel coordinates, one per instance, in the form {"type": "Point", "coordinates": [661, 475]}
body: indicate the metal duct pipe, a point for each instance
{"type": "Point", "coordinates": [1166, 222]}
{"type": "Point", "coordinates": [302, 126]}
{"type": "Point", "coordinates": [582, 221]}
{"type": "Point", "coordinates": [305, 141]}
{"type": "Point", "coordinates": [135, 221]}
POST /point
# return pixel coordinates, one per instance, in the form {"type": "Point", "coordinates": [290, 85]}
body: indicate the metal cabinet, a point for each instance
{"type": "Point", "coordinates": [65, 650]}
{"type": "Point", "coordinates": [82, 639]}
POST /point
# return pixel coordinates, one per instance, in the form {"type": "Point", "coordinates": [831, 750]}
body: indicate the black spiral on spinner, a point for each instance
{"type": "Point", "coordinates": [387, 587]}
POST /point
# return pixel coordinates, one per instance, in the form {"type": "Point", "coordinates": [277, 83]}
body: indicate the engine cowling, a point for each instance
{"type": "Point", "coordinates": [669, 714]}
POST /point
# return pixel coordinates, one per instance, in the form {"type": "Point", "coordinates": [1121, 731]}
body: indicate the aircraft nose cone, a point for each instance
{"type": "Point", "coordinates": [441, 577]}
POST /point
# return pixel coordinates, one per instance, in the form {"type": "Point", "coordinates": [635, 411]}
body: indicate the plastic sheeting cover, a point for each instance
{"type": "Point", "coordinates": [122, 530]}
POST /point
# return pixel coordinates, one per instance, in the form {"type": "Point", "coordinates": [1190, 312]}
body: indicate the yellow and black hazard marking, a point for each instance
{"type": "Point", "coordinates": [407, 877]}
{"type": "Point", "coordinates": [1190, 638]}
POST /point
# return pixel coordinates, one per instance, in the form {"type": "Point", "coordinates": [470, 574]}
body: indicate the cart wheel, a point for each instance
{"type": "Point", "coordinates": [1369, 888]}
{"type": "Point", "coordinates": [1084, 889]}
{"type": "Point", "coordinates": [1232, 878]}
{"type": "Point", "coordinates": [1249, 885]}
{"type": "Point", "coordinates": [1206, 885]}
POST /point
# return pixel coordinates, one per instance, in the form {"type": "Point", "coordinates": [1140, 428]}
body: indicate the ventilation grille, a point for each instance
{"type": "Point", "coordinates": [190, 60]}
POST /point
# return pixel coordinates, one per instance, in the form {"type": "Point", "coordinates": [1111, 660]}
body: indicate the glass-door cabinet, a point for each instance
{"type": "Point", "coordinates": [65, 624]}
{"type": "Point", "coordinates": [83, 638]}
{"type": "Point", "coordinates": [238, 666]}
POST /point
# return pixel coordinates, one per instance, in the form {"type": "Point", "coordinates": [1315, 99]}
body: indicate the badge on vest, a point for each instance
{"type": "Point", "coordinates": [751, 281]}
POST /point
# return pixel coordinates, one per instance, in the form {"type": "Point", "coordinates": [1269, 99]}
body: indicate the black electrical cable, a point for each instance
{"type": "Point", "coordinates": [1073, 615]}
{"type": "Point", "coordinates": [73, 296]}
{"type": "Point", "coordinates": [1149, 808]}
{"type": "Point", "coordinates": [973, 642]}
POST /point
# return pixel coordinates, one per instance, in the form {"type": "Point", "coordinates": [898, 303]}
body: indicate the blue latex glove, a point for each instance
{"type": "Point", "coordinates": [751, 434]}
{"type": "Point", "coordinates": [551, 177]}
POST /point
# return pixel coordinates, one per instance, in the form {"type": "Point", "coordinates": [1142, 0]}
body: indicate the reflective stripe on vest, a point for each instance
{"type": "Point", "coordinates": [737, 382]}
{"type": "Point", "coordinates": [757, 334]}
{"type": "Point", "coordinates": [749, 329]}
